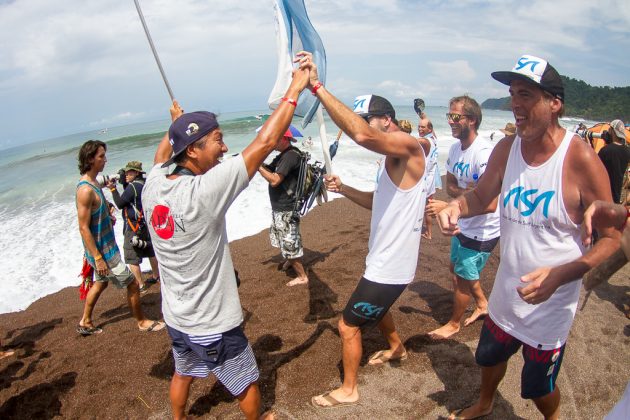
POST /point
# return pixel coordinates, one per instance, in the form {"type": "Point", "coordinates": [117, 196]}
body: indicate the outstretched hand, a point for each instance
{"type": "Point", "coordinates": [434, 207]}
{"type": "Point", "coordinates": [300, 78]}
{"type": "Point", "coordinates": [333, 183]}
{"type": "Point", "coordinates": [305, 60]}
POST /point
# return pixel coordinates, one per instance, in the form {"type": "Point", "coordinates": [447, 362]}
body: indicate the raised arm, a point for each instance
{"type": "Point", "coordinates": [396, 144]}
{"type": "Point", "coordinates": [273, 129]}
{"type": "Point", "coordinates": [164, 150]}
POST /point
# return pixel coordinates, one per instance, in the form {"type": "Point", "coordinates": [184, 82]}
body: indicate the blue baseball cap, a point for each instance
{"type": "Point", "coordinates": [189, 128]}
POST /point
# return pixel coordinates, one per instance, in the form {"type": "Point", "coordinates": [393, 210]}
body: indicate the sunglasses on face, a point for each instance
{"type": "Point", "coordinates": [452, 116]}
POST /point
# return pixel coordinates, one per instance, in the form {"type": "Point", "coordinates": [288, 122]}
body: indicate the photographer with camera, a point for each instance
{"type": "Point", "coordinates": [615, 156]}
{"type": "Point", "coordinates": [137, 242]}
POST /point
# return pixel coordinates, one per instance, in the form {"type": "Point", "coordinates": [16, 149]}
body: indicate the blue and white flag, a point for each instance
{"type": "Point", "coordinates": [294, 33]}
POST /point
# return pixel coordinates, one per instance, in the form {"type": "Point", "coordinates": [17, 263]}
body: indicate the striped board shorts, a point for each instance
{"type": "Point", "coordinates": [228, 356]}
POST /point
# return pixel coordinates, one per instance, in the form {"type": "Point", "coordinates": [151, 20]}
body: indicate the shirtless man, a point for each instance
{"type": "Point", "coordinates": [546, 177]}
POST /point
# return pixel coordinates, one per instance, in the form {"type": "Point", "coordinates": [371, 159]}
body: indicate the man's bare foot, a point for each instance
{"type": "Point", "coordinates": [297, 281]}
{"type": "Point", "coordinates": [444, 332]}
{"type": "Point", "coordinates": [335, 398]}
{"type": "Point", "coordinates": [5, 354]}
{"type": "Point", "coordinates": [268, 415]}
{"type": "Point", "coordinates": [427, 236]}
{"type": "Point", "coordinates": [472, 412]}
{"type": "Point", "coordinates": [384, 356]}
{"type": "Point", "coordinates": [478, 313]}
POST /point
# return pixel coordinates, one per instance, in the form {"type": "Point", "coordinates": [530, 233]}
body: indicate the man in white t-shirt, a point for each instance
{"type": "Point", "coordinates": [545, 178]}
{"type": "Point", "coordinates": [432, 177]}
{"type": "Point", "coordinates": [397, 208]}
{"type": "Point", "coordinates": [470, 249]}
{"type": "Point", "coordinates": [186, 208]}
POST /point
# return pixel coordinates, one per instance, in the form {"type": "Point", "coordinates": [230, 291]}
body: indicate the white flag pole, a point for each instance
{"type": "Point", "coordinates": [324, 140]}
{"type": "Point", "coordinates": [155, 55]}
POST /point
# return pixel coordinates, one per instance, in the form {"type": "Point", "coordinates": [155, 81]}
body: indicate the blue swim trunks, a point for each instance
{"type": "Point", "coordinates": [468, 262]}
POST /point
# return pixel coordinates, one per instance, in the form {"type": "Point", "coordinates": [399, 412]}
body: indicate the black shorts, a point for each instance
{"type": "Point", "coordinates": [134, 255]}
{"type": "Point", "coordinates": [370, 301]}
{"type": "Point", "coordinates": [538, 377]}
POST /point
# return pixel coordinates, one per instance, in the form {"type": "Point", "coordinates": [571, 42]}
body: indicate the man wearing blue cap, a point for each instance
{"type": "Point", "coordinates": [186, 208]}
{"type": "Point", "coordinates": [282, 175]}
{"type": "Point", "coordinates": [545, 178]}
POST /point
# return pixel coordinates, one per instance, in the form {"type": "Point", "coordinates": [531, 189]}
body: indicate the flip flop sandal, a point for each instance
{"type": "Point", "coordinates": [156, 326]}
{"type": "Point", "coordinates": [334, 403]}
{"type": "Point", "coordinates": [85, 331]}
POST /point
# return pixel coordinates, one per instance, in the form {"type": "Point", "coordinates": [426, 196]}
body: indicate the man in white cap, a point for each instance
{"type": "Point", "coordinates": [545, 178]}
{"type": "Point", "coordinates": [615, 156]}
{"type": "Point", "coordinates": [397, 207]}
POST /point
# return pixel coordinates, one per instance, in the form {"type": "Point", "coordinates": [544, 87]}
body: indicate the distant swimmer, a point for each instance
{"type": "Point", "coordinates": [545, 177]}
{"type": "Point", "coordinates": [471, 247]}
{"type": "Point", "coordinates": [187, 207]}
{"type": "Point", "coordinates": [101, 250]}
{"type": "Point", "coordinates": [397, 207]}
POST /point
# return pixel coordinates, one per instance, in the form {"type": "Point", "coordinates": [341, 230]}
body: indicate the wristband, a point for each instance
{"type": "Point", "coordinates": [289, 100]}
{"type": "Point", "coordinates": [317, 86]}
{"type": "Point", "coordinates": [100, 257]}
{"type": "Point", "coordinates": [112, 189]}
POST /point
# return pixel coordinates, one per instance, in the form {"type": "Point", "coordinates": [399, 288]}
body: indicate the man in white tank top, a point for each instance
{"type": "Point", "coordinates": [545, 178]}
{"type": "Point", "coordinates": [470, 249]}
{"type": "Point", "coordinates": [397, 211]}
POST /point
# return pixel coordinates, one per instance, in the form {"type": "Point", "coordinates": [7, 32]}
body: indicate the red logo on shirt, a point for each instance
{"type": "Point", "coordinates": [163, 222]}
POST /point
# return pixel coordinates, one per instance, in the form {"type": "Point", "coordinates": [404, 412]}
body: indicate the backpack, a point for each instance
{"type": "Point", "coordinates": [140, 228]}
{"type": "Point", "coordinates": [310, 184]}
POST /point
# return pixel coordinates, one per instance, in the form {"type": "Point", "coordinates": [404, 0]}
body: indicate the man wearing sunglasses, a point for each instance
{"type": "Point", "coordinates": [397, 207]}
{"type": "Point", "coordinates": [471, 247]}
{"type": "Point", "coordinates": [545, 178]}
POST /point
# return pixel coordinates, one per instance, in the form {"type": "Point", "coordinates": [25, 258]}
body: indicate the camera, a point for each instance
{"type": "Point", "coordinates": [138, 243]}
{"type": "Point", "coordinates": [589, 135]}
{"type": "Point", "coordinates": [103, 180]}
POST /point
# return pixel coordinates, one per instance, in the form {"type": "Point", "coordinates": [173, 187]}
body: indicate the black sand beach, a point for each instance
{"type": "Point", "coordinates": [124, 373]}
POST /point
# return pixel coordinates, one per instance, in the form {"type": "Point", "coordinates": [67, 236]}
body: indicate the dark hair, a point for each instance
{"type": "Point", "coordinates": [470, 106]}
{"type": "Point", "coordinates": [183, 156]}
{"type": "Point", "coordinates": [87, 153]}
{"type": "Point", "coordinates": [549, 97]}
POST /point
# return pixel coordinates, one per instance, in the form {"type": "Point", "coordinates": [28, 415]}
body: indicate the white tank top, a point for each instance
{"type": "Point", "coordinates": [432, 161]}
{"type": "Point", "coordinates": [395, 231]}
{"type": "Point", "coordinates": [536, 231]}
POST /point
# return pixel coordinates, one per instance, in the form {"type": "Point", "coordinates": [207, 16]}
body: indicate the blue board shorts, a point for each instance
{"type": "Point", "coordinates": [227, 355]}
{"type": "Point", "coordinates": [539, 374]}
{"type": "Point", "coordinates": [469, 262]}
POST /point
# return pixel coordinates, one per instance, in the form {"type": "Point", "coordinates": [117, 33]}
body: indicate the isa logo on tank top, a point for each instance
{"type": "Point", "coordinates": [527, 201]}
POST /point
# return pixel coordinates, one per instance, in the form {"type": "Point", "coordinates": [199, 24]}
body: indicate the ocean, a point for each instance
{"type": "Point", "coordinates": [41, 249]}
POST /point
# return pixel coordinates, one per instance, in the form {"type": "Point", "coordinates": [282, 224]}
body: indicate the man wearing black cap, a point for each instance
{"type": "Point", "coordinates": [545, 178]}
{"type": "Point", "coordinates": [282, 175]}
{"type": "Point", "coordinates": [186, 209]}
{"type": "Point", "coordinates": [397, 207]}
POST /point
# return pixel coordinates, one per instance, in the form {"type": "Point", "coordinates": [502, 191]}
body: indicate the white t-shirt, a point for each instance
{"type": "Point", "coordinates": [431, 168]}
{"type": "Point", "coordinates": [395, 229]}
{"type": "Point", "coordinates": [187, 226]}
{"type": "Point", "coordinates": [468, 166]}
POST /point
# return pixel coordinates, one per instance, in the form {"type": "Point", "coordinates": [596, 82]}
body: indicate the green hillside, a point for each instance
{"type": "Point", "coordinates": [599, 103]}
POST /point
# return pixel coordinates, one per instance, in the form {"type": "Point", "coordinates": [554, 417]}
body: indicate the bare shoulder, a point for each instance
{"type": "Point", "coordinates": [501, 151]}
{"type": "Point", "coordinates": [85, 194]}
{"type": "Point", "coordinates": [580, 152]}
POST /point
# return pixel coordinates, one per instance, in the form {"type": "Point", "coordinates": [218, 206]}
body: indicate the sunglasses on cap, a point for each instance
{"type": "Point", "coordinates": [368, 117]}
{"type": "Point", "coordinates": [452, 116]}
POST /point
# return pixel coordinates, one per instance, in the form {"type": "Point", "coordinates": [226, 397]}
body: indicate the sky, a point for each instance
{"type": "Point", "coordinates": [69, 66]}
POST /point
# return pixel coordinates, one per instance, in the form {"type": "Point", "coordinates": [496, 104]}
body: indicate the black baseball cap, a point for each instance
{"type": "Point", "coordinates": [189, 128]}
{"type": "Point", "coordinates": [535, 70]}
{"type": "Point", "coordinates": [366, 105]}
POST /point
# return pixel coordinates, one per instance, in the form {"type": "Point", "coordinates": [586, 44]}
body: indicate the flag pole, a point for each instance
{"type": "Point", "coordinates": [324, 140]}
{"type": "Point", "coordinates": [155, 55]}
